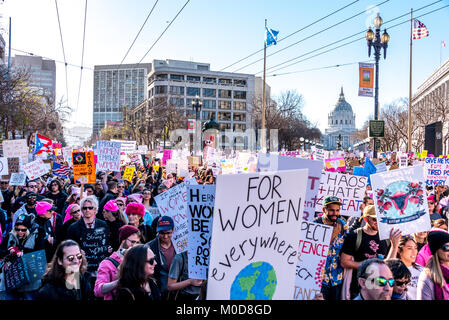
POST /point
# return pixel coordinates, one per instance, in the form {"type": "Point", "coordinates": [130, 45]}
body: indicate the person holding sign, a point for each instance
{"type": "Point", "coordinates": [332, 284]}
{"type": "Point", "coordinates": [178, 280]}
{"type": "Point", "coordinates": [66, 278]}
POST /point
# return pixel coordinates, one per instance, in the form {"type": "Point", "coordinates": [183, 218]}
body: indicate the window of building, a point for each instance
{"type": "Point", "coordinates": [239, 116]}
{"type": "Point", "coordinates": [194, 78]}
{"type": "Point", "coordinates": [177, 77]}
{"type": "Point", "coordinates": [240, 83]}
{"type": "Point", "coordinates": [160, 89]}
{"type": "Point", "coordinates": [162, 76]}
{"type": "Point", "coordinates": [239, 94]}
{"type": "Point", "coordinates": [224, 93]}
{"type": "Point", "coordinates": [224, 104]}
{"type": "Point", "coordinates": [239, 105]}
{"type": "Point", "coordinates": [239, 127]}
{"type": "Point", "coordinates": [191, 114]}
{"type": "Point", "coordinates": [209, 80]}
{"type": "Point", "coordinates": [212, 93]}
{"type": "Point", "coordinates": [224, 126]}
{"type": "Point", "coordinates": [224, 116]}
{"type": "Point", "coordinates": [226, 82]}
{"type": "Point", "coordinates": [177, 90]}
{"type": "Point", "coordinates": [202, 67]}
{"type": "Point", "coordinates": [193, 91]}
{"type": "Point", "coordinates": [178, 102]}
{"type": "Point", "coordinates": [209, 104]}
{"type": "Point", "coordinates": [209, 115]}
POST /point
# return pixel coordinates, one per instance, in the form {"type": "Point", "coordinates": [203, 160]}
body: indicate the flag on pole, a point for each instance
{"type": "Point", "coordinates": [419, 30]}
{"type": "Point", "coordinates": [443, 44]}
{"type": "Point", "coordinates": [272, 36]}
{"type": "Point", "coordinates": [60, 170]}
{"type": "Point", "coordinates": [43, 144]}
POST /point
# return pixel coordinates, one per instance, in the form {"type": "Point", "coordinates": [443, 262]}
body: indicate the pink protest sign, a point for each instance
{"type": "Point", "coordinates": [335, 164]}
{"type": "Point", "coordinates": [166, 156]}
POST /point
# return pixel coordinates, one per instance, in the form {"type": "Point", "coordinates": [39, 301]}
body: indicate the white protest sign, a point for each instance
{"type": "Point", "coordinates": [16, 148]}
{"type": "Point", "coordinates": [255, 235]}
{"type": "Point", "coordinates": [403, 160]}
{"type": "Point", "coordinates": [436, 171]}
{"type": "Point", "coordinates": [182, 169]}
{"type": "Point", "coordinates": [35, 169]}
{"type": "Point", "coordinates": [200, 211]}
{"type": "Point", "coordinates": [272, 162]}
{"type": "Point", "coordinates": [4, 166]}
{"type": "Point", "coordinates": [173, 203]}
{"type": "Point", "coordinates": [171, 166]}
{"type": "Point", "coordinates": [313, 249]}
{"type": "Point", "coordinates": [126, 146]}
{"type": "Point", "coordinates": [108, 155]}
{"type": "Point", "coordinates": [400, 200]}
{"type": "Point", "coordinates": [381, 167]}
{"type": "Point", "coordinates": [348, 188]}
{"type": "Point", "coordinates": [17, 179]}
{"type": "Point", "coordinates": [142, 149]}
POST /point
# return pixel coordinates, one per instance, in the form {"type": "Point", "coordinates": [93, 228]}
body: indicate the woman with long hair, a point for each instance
{"type": "Point", "coordinates": [66, 278]}
{"type": "Point", "coordinates": [407, 252]}
{"type": "Point", "coordinates": [135, 276]}
{"type": "Point", "coordinates": [433, 280]}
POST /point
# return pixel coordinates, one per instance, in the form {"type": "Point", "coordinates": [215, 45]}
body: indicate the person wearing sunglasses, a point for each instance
{"type": "Point", "coordinates": [115, 221]}
{"type": "Point", "coordinates": [92, 234]}
{"type": "Point", "coordinates": [433, 280]}
{"type": "Point", "coordinates": [66, 278]}
{"type": "Point", "coordinates": [106, 282]}
{"type": "Point", "coordinates": [375, 280]}
{"type": "Point", "coordinates": [72, 215]}
{"type": "Point", "coordinates": [434, 214]}
{"type": "Point", "coordinates": [402, 277]}
{"type": "Point", "coordinates": [24, 238]}
{"type": "Point", "coordinates": [136, 276]}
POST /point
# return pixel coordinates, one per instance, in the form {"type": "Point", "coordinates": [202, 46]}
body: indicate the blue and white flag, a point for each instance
{"type": "Point", "coordinates": [369, 169]}
{"type": "Point", "coordinates": [272, 36]}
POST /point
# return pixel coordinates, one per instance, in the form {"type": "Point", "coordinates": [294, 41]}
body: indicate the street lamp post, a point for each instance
{"type": "Point", "coordinates": [197, 105]}
{"type": "Point", "coordinates": [378, 42]}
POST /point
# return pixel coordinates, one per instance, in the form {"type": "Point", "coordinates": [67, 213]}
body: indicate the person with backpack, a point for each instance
{"type": "Point", "coordinates": [106, 282]}
{"type": "Point", "coordinates": [364, 243]}
{"type": "Point", "coordinates": [333, 272]}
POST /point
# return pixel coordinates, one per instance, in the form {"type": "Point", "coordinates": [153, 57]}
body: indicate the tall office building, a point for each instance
{"type": "Point", "coordinates": [42, 72]}
{"type": "Point", "coordinates": [116, 86]}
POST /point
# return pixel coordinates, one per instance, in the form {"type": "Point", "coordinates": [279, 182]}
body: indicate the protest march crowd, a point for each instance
{"type": "Point", "coordinates": [103, 224]}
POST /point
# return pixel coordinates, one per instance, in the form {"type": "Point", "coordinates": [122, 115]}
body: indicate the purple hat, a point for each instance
{"type": "Point", "coordinates": [42, 207]}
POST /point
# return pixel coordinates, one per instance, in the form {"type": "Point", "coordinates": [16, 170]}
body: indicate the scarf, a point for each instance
{"type": "Point", "coordinates": [443, 293]}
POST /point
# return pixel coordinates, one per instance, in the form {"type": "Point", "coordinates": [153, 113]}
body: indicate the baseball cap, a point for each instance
{"type": "Point", "coordinates": [165, 223]}
{"type": "Point", "coordinates": [330, 200]}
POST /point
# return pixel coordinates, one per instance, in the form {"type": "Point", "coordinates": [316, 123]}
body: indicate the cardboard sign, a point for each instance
{"type": "Point", "coordinates": [108, 155]}
{"type": "Point", "coordinates": [129, 173]}
{"type": "Point", "coordinates": [200, 205]}
{"type": "Point", "coordinates": [194, 161]}
{"type": "Point", "coordinates": [335, 164]}
{"type": "Point", "coordinates": [173, 203]}
{"type": "Point", "coordinates": [84, 167]}
{"type": "Point", "coordinates": [4, 166]}
{"type": "Point", "coordinates": [255, 236]}
{"type": "Point", "coordinates": [400, 200]}
{"type": "Point", "coordinates": [35, 169]}
{"type": "Point", "coordinates": [350, 189]}
{"type": "Point", "coordinates": [17, 179]}
{"type": "Point", "coordinates": [436, 171]}
{"type": "Point", "coordinates": [313, 249]}
{"type": "Point", "coordinates": [16, 148]}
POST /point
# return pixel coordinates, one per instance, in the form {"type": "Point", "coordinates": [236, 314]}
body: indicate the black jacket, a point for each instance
{"type": "Point", "coordinates": [51, 290]}
{"type": "Point", "coordinates": [59, 200]}
{"type": "Point", "coordinates": [161, 269]}
{"type": "Point", "coordinates": [138, 294]}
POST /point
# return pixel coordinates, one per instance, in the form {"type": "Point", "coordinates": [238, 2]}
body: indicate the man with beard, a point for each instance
{"type": "Point", "coordinates": [28, 208]}
{"type": "Point", "coordinates": [333, 272]}
{"type": "Point", "coordinates": [364, 243]}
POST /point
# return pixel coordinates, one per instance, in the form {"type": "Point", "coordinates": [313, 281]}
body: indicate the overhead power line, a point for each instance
{"type": "Point", "coordinates": [288, 36]}
{"type": "Point", "coordinates": [63, 51]}
{"type": "Point", "coordinates": [318, 68]}
{"type": "Point", "coordinates": [138, 33]}
{"type": "Point", "coordinates": [173, 20]}
{"type": "Point", "coordinates": [82, 55]}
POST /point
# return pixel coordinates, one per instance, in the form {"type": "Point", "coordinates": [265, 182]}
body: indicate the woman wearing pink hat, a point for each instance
{"type": "Point", "coordinates": [115, 221]}
{"type": "Point", "coordinates": [431, 202]}
{"type": "Point", "coordinates": [72, 215]}
{"type": "Point", "coordinates": [135, 212]}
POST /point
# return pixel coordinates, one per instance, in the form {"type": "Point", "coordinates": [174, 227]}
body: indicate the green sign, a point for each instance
{"type": "Point", "coordinates": [376, 129]}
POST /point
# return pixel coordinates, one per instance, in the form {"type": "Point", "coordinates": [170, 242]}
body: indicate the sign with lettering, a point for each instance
{"type": "Point", "coordinates": [3, 166]}
{"type": "Point", "coordinates": [254, 248]}
{"type": "Point", "coordinates": [381, 167]}
{"type": "Point", "coordinates": [35, 264]}
{"type": "Point", "coordinates": [400, 200]}
{"type": "Point", "coordinates": [35, 169]}
{"type": "Point", "coordinates": [403, 160]}
{"type": "Point", "coordinates": [17, 179]}
{"type": "Point", "coordinates": [166, 156]}
{"type": "Point", "coordinates": [108, 155]}
{"type": "Point", "coordinates": [95, 244]}
{"type": "Point", "coordinates": [436, 171]}
{"type": "Point", "coordinates": [171, 166]}
{"type": "Point", "coordinates": [126, 146]}
{"type": "Point", "coordinates": [200, 204]}
{"type": "Point", "coordinates": [16, 148]}
{"type": "Point", "coordinates": [312, 254]}
{"type": "Point", "coordinates": [335, 164]}
{"type": "Point", "coordinates": [173, 203]}
{"type": "Point", "coordinates": [272, 162]}
{"type": "Point", "coordinates": [84, 167]}
{"type": "Point", "coordinates": [129, 173]}
{"type": "Point", "coordinates": [15, 274]}
{"type": "Point", "coordinates": [348, 188]}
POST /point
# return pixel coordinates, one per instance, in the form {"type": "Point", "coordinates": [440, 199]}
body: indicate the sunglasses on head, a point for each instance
{"type": "Point", "coordinates": [88, 208]}
{"type": "Point", "coordinates": [382, 282]}
{"type": "Point", "coordinates": [151, 261]}
{"type": "Point", "coordinates": [21, 229]}
{"type": "Point", "coordinates": [79, 256]}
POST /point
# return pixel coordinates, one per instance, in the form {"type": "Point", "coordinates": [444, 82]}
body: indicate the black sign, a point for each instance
{"type": "Point", "coordinates": [376, 129]}
{"type": "Point", "coordinates": [35, 264]}
{"type": "Point", "coordinates": [15, 274]}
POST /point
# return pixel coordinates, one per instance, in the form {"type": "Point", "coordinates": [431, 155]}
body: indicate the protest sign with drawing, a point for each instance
{"type": "Point", "coordinates": [255, 236]}
{"type": "Point", "coordinates": [335, 164]}
{"type": "Point", "coordinates": [313, 249]}
{"type": "Point", "coordinates": [84, 167]}
{"type": "Point", "coordinates": [400, 200]}
{"type": "Point", "coordinates": [200, 205]}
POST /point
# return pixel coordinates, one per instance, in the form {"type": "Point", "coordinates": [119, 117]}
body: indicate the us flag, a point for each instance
{"type": "Point", "coordinates": [60, 170]}
{"type": "Point", "coordinates": [419, 30]}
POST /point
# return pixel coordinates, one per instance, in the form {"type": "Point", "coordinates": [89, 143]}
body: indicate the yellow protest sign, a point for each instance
{"type": "Point", "coordinates": [424, 154]}
{"type": "Point", "coordinates": [129, 173]}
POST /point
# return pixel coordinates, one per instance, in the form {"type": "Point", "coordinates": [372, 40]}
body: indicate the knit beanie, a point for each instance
{"type": "Point", "coordinates": [42, 207]}
{"type": "Point", "coordinates": [111, 206]}
{"type": "Point", "coordinates": [135, 207]}
{"type": "Point", "coordinates": [126, 231]}
{"type": "Point", "coordinates": [436, 239]}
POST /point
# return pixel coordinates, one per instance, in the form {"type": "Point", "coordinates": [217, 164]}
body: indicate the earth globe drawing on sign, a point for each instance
{"type": "Point", "coordinates": [257, 281]}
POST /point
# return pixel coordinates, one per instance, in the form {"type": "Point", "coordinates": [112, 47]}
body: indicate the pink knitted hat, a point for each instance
{"type": "Point", "coordinates": [111, 206]}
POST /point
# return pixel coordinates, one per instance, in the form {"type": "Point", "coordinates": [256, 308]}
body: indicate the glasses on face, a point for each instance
{"type": "Point", "coordinates": [151, 261]}
{"type": "Point", "coordinates": [88, 208]}
{"type": "Point", "coordinates": [3, 182]}
{"type": "Point", "coordinates": [72, 257]}
{"type": "Point", "coordinates": [147, 194]}
{"type": "Point", "coordinates": [382, 282]}
{"type": "Point", "coordinates": [34, 186]}
{"type": "Point", "coordinates": [120, 204]}
{"type": "Point", "coordinates": [76, 211]}
{"type": "Point", "coordinates": [21, 229]}
{"type": "Point", "coordinates": [121, 187]}
{"type": "Point", "coordinates": [430, 202]}
{"type": "Point", "coordinates": [401, 283]}
{"type": "Point", "coordinates": [445, 247]}
{"type": "Point", "coordinates": [133, 242]}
